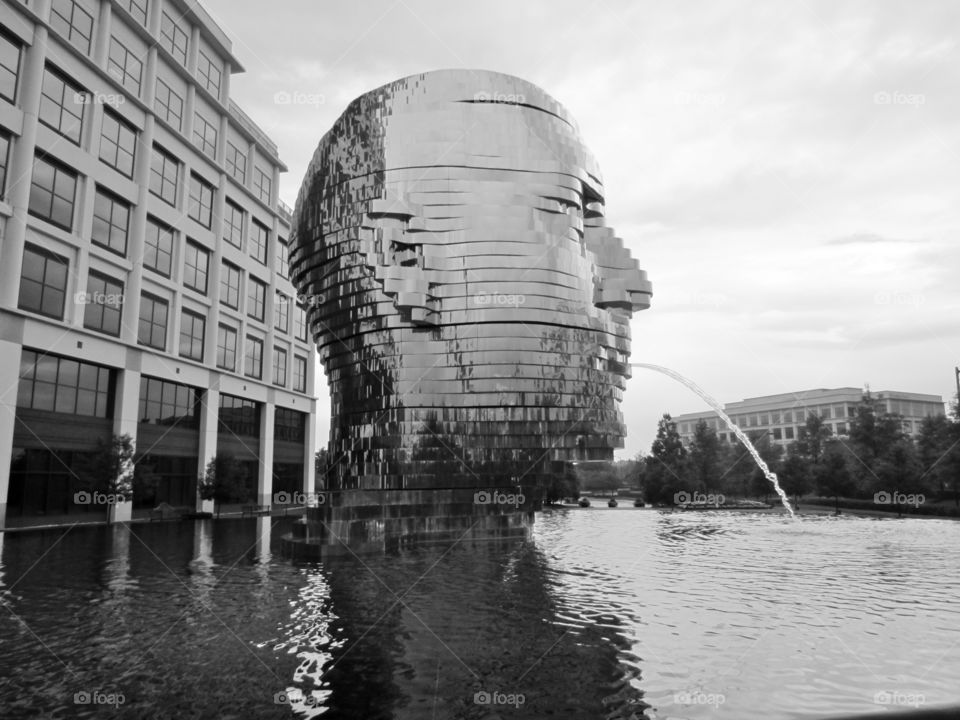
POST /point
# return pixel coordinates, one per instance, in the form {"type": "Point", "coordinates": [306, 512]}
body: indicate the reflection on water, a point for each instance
{"type": "Point", "coordinates": [614, 613]}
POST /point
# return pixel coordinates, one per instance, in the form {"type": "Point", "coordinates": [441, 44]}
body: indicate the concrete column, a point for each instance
{"type": "Point", "coordinates": [209, 420]}
{"type": "Point", "coordinates": [310, 480]}
{"type": "Point", "coordinates": [9, 381]}
{"type": "Point", "coordinates": [265, 479]}
{"type": "Point", "coordinates": [126, 407]}
{"type": "Point", "coordinates": [101, 38]}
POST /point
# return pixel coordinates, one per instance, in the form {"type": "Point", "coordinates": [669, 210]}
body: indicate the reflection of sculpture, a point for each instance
{"type": "Point", "coordinates": [470, 306]}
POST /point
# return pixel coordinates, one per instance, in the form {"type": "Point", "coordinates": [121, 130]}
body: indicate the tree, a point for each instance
{"type": "Point", "coordinates": [562, 485]}
{"type": "Point", "coordinates": [110, 468]}
{"type": "Point", "coordinates": [704, 458]}
{"type": "Point", "coordinates": [833, 478]}
{"type": "Point", "coordinates": [813, 438]}
{"type": "Point", "coordinates": [898, 471]}
{"type": "Point", "coordinates": [224, 480]}
{"type": "Point", "coordinates": [667, 446]}
{"type": "Point", "coordinates": [664, 471]}
{"type": "Point", "coordinates": [795, 476]}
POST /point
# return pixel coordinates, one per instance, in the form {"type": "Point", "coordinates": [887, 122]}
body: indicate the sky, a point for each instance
{"type": "Point", "coordinates": [788, 173]}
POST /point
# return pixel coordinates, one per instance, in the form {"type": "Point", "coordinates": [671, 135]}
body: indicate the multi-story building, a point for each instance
{"type": "Point", "coordinates": [143, 259]}
{"type": "Point", "coordinates": [780, 417]}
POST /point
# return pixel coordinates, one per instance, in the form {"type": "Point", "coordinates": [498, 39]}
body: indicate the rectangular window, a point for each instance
{"type": "Point", "coordinates": [230, 285]}
{"type": "Point", "coordinates": [256, 298]}
{"type": "Point", "coordinates": [196, 263]}
{"type": "Point", "coordinates": [289, 425]}
{"type": "Point", "coordinates": [281, 312]}
{"type": "Point", "coordinates": [777, 434]}
{"type": "Point", "coordinates": [118, 143]}
{"type": "Point", "coordinates": [61, 104]}
{"type": "Point", "coordinates": [61, 384]}
{"type": "Point", "coordinates": [279, 366]}
{"type": "Point", "coordinates": [111, 222]}
{"type": "Point", "coordinates": [158, 247]}
{"type": "Point", "coordinates": [164, 175]}
{"type": "Point", "coordinates": [209, 74]}
{"type": "Point", "coordinates": [10, 50]}
{"type": "Point", "coordinates": [53, 190]}
{"type": "Point", "coordinates": [200, 207]}
{"type": "Point", "coordinates": [841, 428]}
{"type": "Point", "coordinates": [237, 163]}
{"type": "Point", "coordinates": [137, 10]}
{"type": "Point", "coordinates": [283, 258]}
{"type": "Point", "coordinates": [126, 67]}
{"type": "Point", "coordinates": [205, 136]}
{"type": "Point", "coordinates": [258, 241]}
{"type": "Point", "coordinates": [43, 282]}
{"type": "Point", "coordinates": [192, 328]}
{"type": "Point", "coordinates": [103, 304]}
{"type": "Point", "coordinates": [262, 184]}
{"type": "Point", "coordinates": [299, 373]}
{"type": "Point", "coordinates": [300, 322]}
{"type": "Point", "coordinates": [239, 416]}
{"type": "Point", "coordinates": [173, 39]}
{"type": "Point", "coordinates": [788, 433]}
{"type": "Point", "coordinates": [152, 330]}
{"type": "Point", "coordinates": [168, 105]}
{"type": "Point", "coordinates": [253, 358]}
{"type": "Point", "coordinates": [233, 224]}
{"type": "Point", "coordinates": [4, 161]}
{"type": "Point", "coordinates": [168, 403]}
{"type": "Point", "coordinates": [226, 348]}
{"type": "Point", "coordinates": [73, 22]}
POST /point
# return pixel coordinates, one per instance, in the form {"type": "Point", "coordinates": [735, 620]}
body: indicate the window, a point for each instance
{"type": "Point", "coordinates": [205, 136]}
{"type": "Point", "coordinates": [118, 143]}
{"type": "Point", "coordinates": [289, 425]}
{"type": "Point", "coordinates": [125, 66]}
{"type": "Point", "coordinates": [226, 348]}
{"type": "Point", "coordinates": [173, 39]}
{"type": "Point", "coordinates": [60, 384]}
{"type": "Point", "coordinates": [279, 366]}
{"type": "Point", "coordinates": [209, 74]}
{"type": "Point", "coordinates": [168, 403]}
{"type": "Point", "coordinates": [192, 328]}
{"type": "Point", "coordinates": [283, 258]}
{"type": "Point", "coordinates": [103, 304]}
{"type": "Point", "coordinates": [158, 247]}
{"type": "Point", "coordinates": [53, 190]}
{"type": "Point", "coordinates": [164, 175]}
{"type": "Point", "coordinates": [43, 282]}
{"type": "Point", "coordinates": [168, 105]}
{"type": "Point", "coordinates": [300, 322]}
{"type": "Point", "coordinates": [299, 373]}
{"type": "Point", "coordinates": [239, 416]}
{"type": "Point", "coordinates": [230, 285]}
{"type": "Point", "coordinates": [841, 428]}
{"type": "Point", "coordinates": [200, 207]}
{"type": "Point", "coordinates": [262, 184]}
{"type": "Point", "coordinates": [777, 434]}
{"type": "Point", "coordinates": [9, 66]}
{"type": "Point", "coordinates": [253, 358]}
{"type": "Point", "coordinates": [233, 224]}
{"type": "Point", "coordinates": [4, 160]}
{"type": "Point", "coordinates": [152, 330]}
{"type": "Point", "coordinates": [61, 104]}
{"type": "Point", "coordinates": [788, 433]}
{"type": "Point", "coordinates": [196, 262]}
{"type": "Point", "coordinates": [281, 312]}
{"type": "Point", "coordinates": [73, 22]}
{"type": "Point", "coordinates": [111, 222]}
{"type": "Point", "coordinates": [137, 9]}
{"type": "Point", "coordinates": [258, 241]}
{"type": "Point", "coordinates": [237, 163]}
{"type": "Point", "coordinates": [256, 297]}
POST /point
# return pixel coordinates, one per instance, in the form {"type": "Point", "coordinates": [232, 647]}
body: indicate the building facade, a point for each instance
{"type": "Point", "coordinates": [780, 417]}
{"type": "Point", "coordinates": [144, 287]}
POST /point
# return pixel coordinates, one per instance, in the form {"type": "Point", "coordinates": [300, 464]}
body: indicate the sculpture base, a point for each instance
{"type": "Point", "coordinates": [358, 521]}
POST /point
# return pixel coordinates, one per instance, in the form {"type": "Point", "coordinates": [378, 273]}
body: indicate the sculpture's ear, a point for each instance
{"type": "Point", "coordinates": [388, 242]}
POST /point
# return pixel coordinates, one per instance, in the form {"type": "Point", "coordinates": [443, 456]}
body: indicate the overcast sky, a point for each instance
{"type": "Point", "coordinates": [788, 173]}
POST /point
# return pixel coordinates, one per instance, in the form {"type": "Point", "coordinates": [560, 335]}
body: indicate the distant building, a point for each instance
{"type": "Point", "coordinates": [143, 259]}
{"type": "Point", "coordinates": [780, 417]}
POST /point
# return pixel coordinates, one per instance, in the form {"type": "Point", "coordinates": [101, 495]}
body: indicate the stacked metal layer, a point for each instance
{"type": "Point", "coordinates": [470, 305]}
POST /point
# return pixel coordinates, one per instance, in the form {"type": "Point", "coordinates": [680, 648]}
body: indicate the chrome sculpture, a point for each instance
{"type": "Point", "coordinates": [469, 303]}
